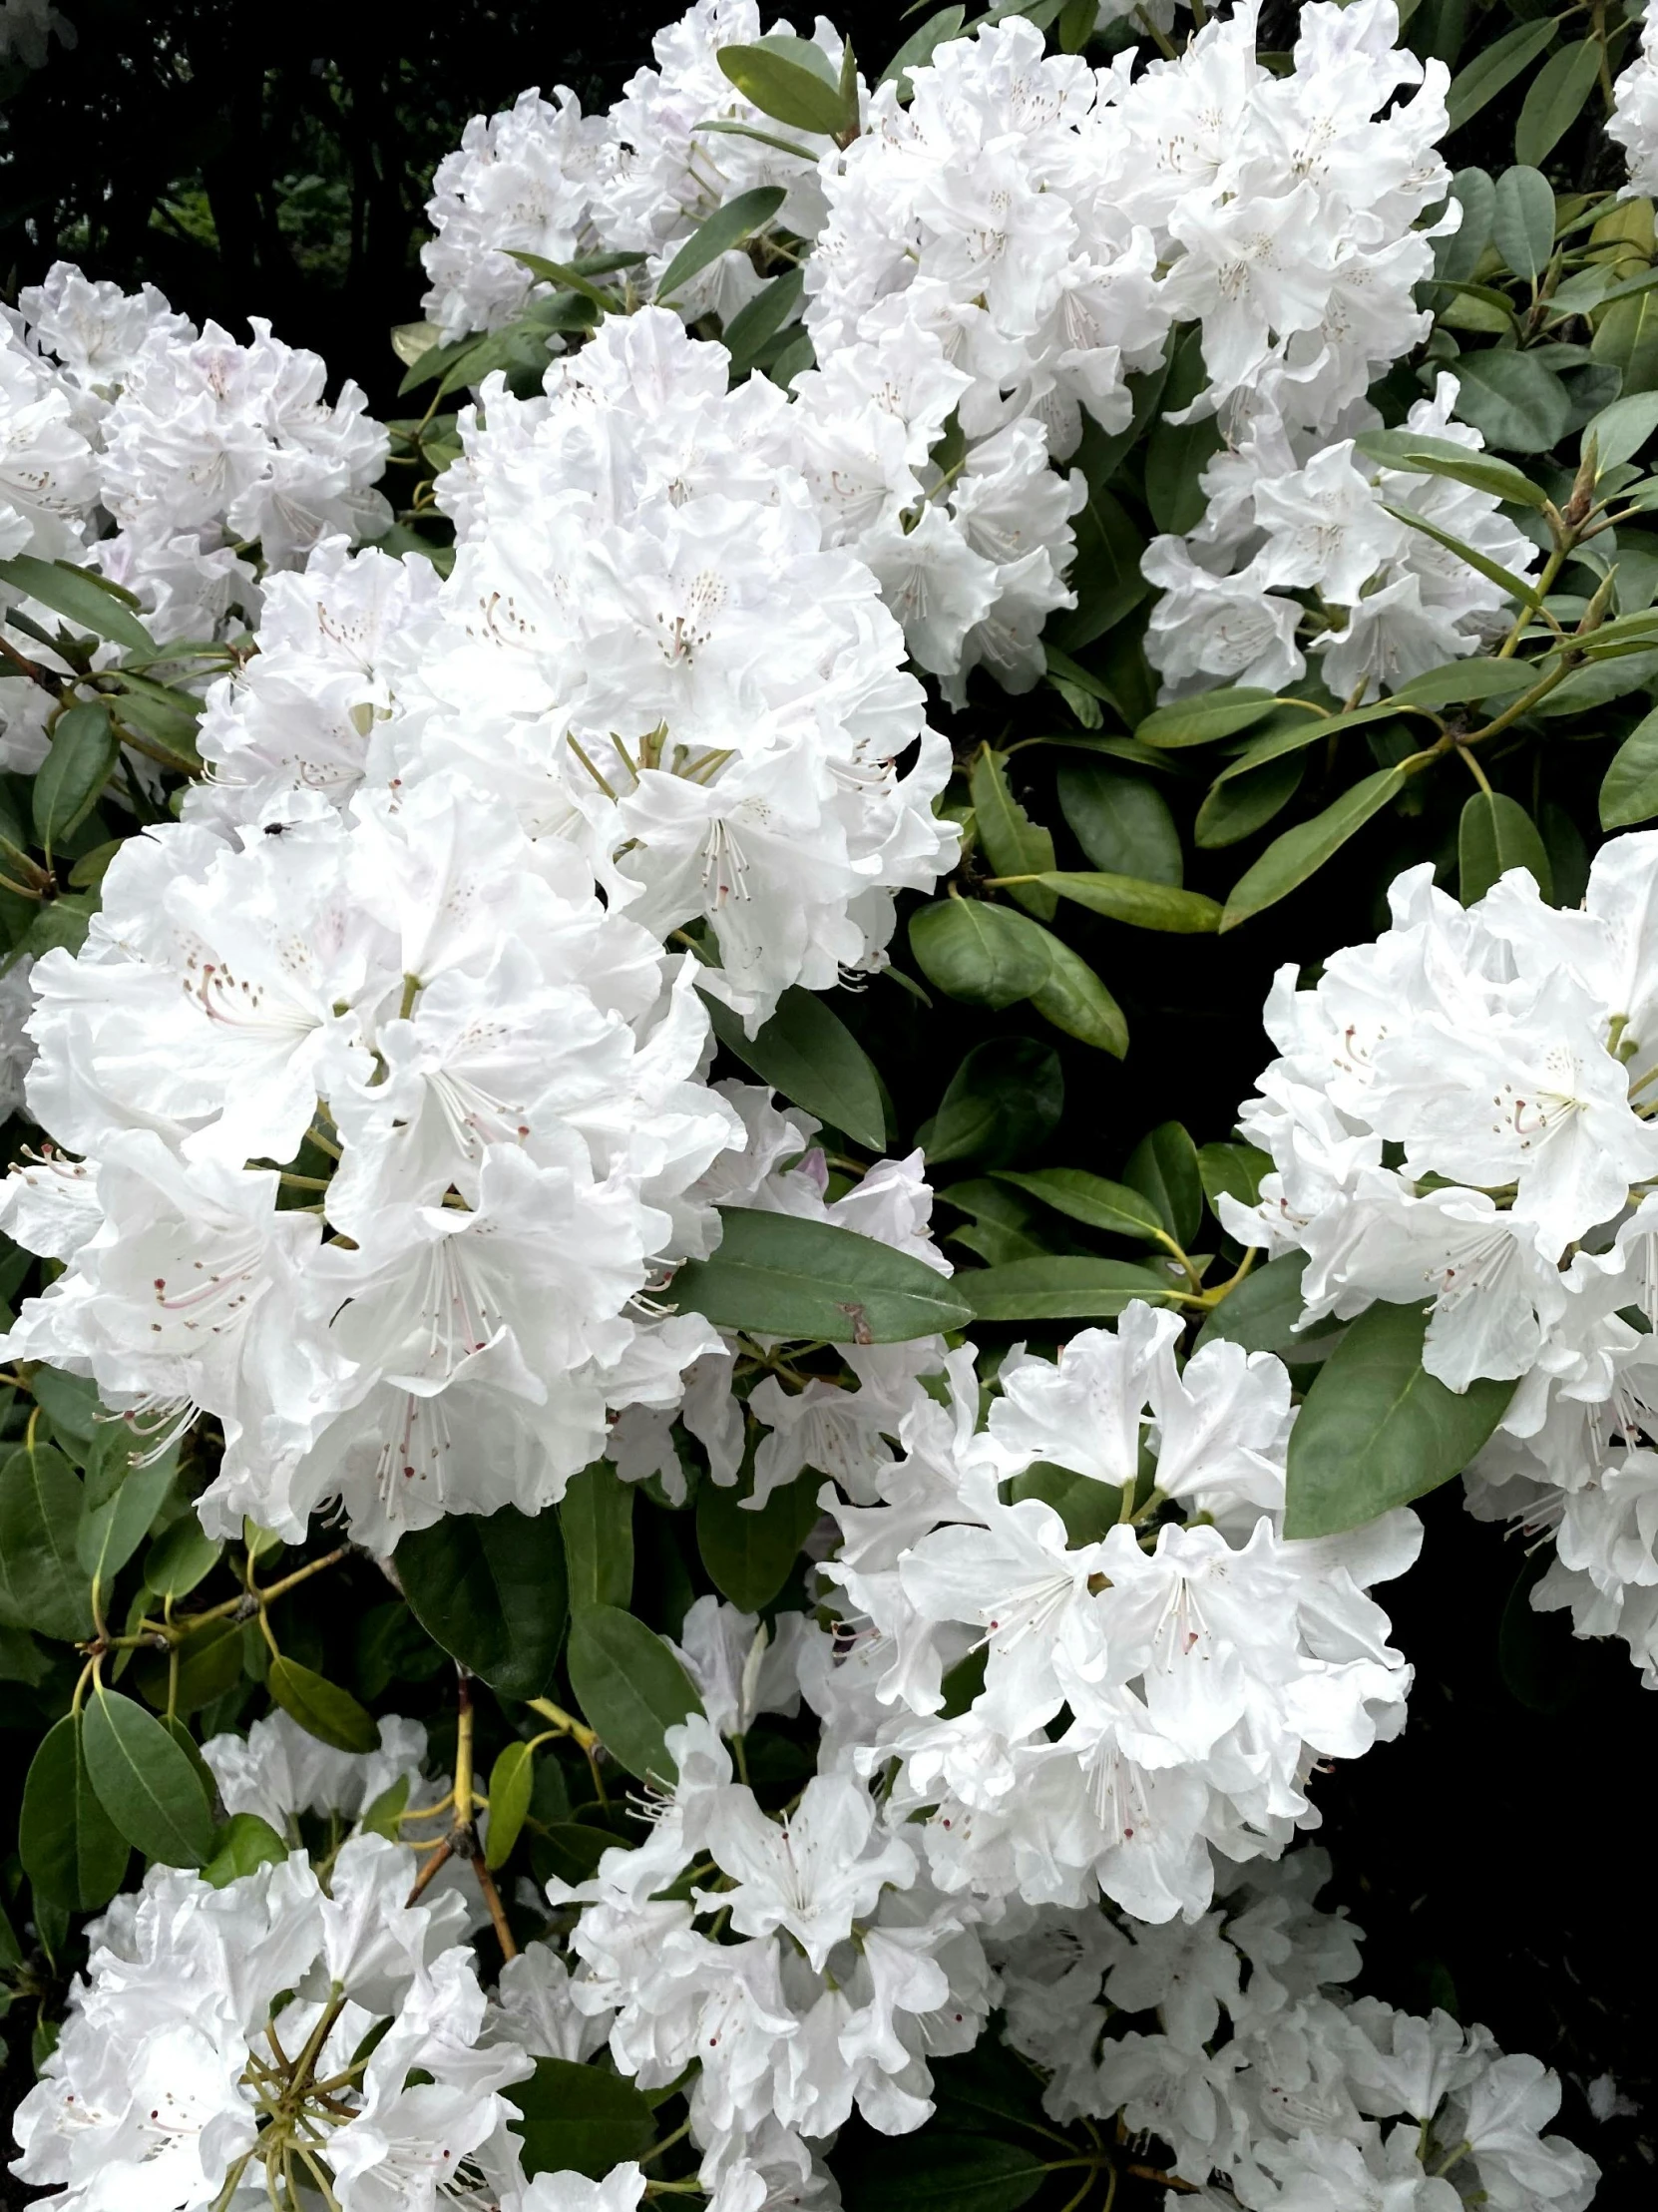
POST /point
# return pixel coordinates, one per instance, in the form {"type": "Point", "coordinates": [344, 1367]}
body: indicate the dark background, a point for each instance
{"type": "Point", "coordinates": [252, 160]}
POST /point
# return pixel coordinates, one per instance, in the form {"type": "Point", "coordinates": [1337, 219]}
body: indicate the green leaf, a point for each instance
{"type": "Point", "coordinates": [1105, 573]}
{"type": "Point", "coordinates": [630, 1685]}
{"type": "Point", "coordinates": [1377, 1430]}
{"type": "Point", "coordinates": [1457, 254]}
{"type": "Point", "coordinates": [574, 1849]}
{"type": "Point", "coordinates": [1597, 684]}
{"type": "Point", "coordinates": [72, 1850]}
{"type": "Point", "coordinates": [566, 278]}
{"type": "Point", "coordinates": [753, 326]}
{"type": "Point", "coordinates": [985, 955]}
{"type": "Point", "coordinates": [1300, 853]}
{"type": "Point", "coordinates": [725, 228]}
{"type": "Point", "coordinates": [1620, 431]}
{"type": "Point", "coordinates": [937, 2171]}
{"type": "Point", "coordinates": [1238, 803]}
{"type": "Point", "coordinates": [491, 1589]}
{"type": "Point", "coordinates": [1076, 1001]}
{"type": "Point", "coordinates": [749, 1553]}
{"type": "Point", "coordinates": [179, 1557]}
{"type": "Point", "coordinates": [1629, 792]}
{"type": "Point", "coordinates": [1232, 1172]}
{"type": "Point", "coordinates": [1122, 822]}
{"type": "Point", "coordinates": [1472, 678]}
{"type": "Point", "coordinates": [1093, 1200]}
{"type": "Point", "coordinates": [1626, 339]}
{"type": "Point", "coordinates": [1085, 1504]}
{"type": "Point", "coordinates": [322, 1707]}
{"type": "Point", "coordinates": [1495, 67]}
{"type": "Point", "coordinates": [1512, 400]}
{"type": "Point", "coordinates": [144, 1782]}
{"type": "Point", "coordinates": [1495, 834]}
{"type": "Point", "coordinates": [109, 1534]}
{"type": "Point", "coordinates": [1523, 224]}
{"type": "Point", "coordinates": [1505, 580]}
{"type": "Point", "coordinates": [1262, 1312]}
{"type": "Point", "coordinates": [806, 1052]}
{"type": "Point", "coordinates": [788, 91]}
{"type": "Point", "coordinates": [1420, 455]}
{"type": "Point", "coordinates": [86, 600]}
{"type": "Point", "coordinates": [78, 764]}
{"type": "Point", "coordinates": [512, 1780]}
{"type": "Point", "coordinates": [1060, 1287]}
{"type": "Point", "coordinates": [1163, 1168]}
{"type": "Point", "coordinates": [1554, 100]}
{"type": "Point", "coordinates": [244, 1845]}
{"type": "Point", "coordinates": [210, 1667]}
{"type": "Point", "coordinates": [1211, 716]}
{"type": "Point", "coordinates": [595, 1520]}
{"type": "Point", "coordinates": [793, 1279]}
{"type": "Point", "coordinates": [1002, 1100]}
{"type": "Point", "coordinates": [578, 2120]}
{"type": "Point", "coordinates": [1014, 844]}
{"type": "Point", "coordinates": [41, 1582]}
{"type": "Point", "coordinates": [1140, 905]}
{"type": "Point", "coordinates": [1177, 454]}
{"type": "Point", "coordinates": [919, 48]}
{"type": "Point", "coordinates": [1542, 1664]}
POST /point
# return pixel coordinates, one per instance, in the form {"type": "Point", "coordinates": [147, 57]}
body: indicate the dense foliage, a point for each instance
{"type": "Point", "coordinates": [703, 1461]}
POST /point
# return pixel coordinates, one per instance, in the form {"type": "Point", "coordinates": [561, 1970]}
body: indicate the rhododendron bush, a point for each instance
{"type": "Point", "coordinates": [704, 1465]}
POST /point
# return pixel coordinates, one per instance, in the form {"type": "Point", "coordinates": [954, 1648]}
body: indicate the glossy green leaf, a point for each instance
{"type": "Point", "coordinates": [630, 1687]}
{"type": "Point", "coordinates": [1060, 1287]}
{"type": "Point", "coordinates": [42, 1584]}
{"type": "Point", "coordinates": [1554, 100]}
{"type": "Point", "coordinates": [1518, 587]}
{"type": "Point", "coordinates": [805, 1051]}
{"type": "Point", "coordinates": [491, 1589]}
{"type": "Point", "coordinates": [78, 764]}
{"type": "Point", "coordinates": [1096, 1201]}
{"type": "Point", "coordinates": [1014, 844]}
{"type": "Point", "coordinates": [209, 1666]}
{"type": "Point", "coordinates": [109, 1534]}
{"type": "Point", "coordinates": [1522, 226]}
{"type": "Point", "coordinates": [749, 1554]}
{"type": "Point", "coordinates": [1237, 804]}
{"type": "Point", "coordinates": [1260, 1312]}
{"type": "Point", "coordinates": [244, 1845]}
{"type": "Point", "coordinates": [790, 91]}
{"type": "Point", "coordinates": [144, 1782]}
{"type": "Point", "coordinates": [181, 1557]}
{"type": "Point", "coordinates": [1001, 1104]}
{"type": "Point", "coordinates": [72, 1852]}
{"type": "Point", "coordinates": [753, 326]}
{"type": "Point", "coordinates": [1377, 1430]}
{"type": "Point", "coordinates": [1512, 399]}
{"type": "Point", "coordinates": [919, 48]}
{"type": "Point", "coordinates": [1141, 905]}
{"type": "Point", "coordinates": [1300, 853]}
{"type": "Point", "coordinates": [595, 1520]}
{"type": "Point", "coordinates": [1420, 455]}
{"type": "Point", "coordinates": [578, 2120]}
{"type": "Point", "coordinates": [1620, 431]}
{"type": "Point", "coordinates": [1232, 1172]}
{"type": "Point", "coordinates": [1076, 1001]}
{"type": "Point", "coordinates": [1122, 822]}
{"type": "Point", "coordinates": [322, 1707]}
{"type": "Point", "coordinates": [1629, 792]}
{"type": "Point", "coordinates": [795, 1278]}
{"type": "Point", "coordinates": [1495, 833]}
{"type": "Point", "coordinates": [938, 2171]}
{"type": "Point", "coordinates": [1204, 719]}
{"type": "Point", "coordinates": [1458, 254]}
{"type": "Point", "coordinates": [1105, 574]}
{"type": "Point", "coordinates": [727, 226]}
{"type": "Point", "coordinates": [1494, 67]}
{"type": "Point", "coordinates": [561, 274]}
{"type": "Point", "coordinates": [981, 954]}
{"type": "Point", "coordinates": [1086, 1506]}
{"type": "Point", "coordinates": [1163, 1167]}
{"type": "Point", "coordinates": [1474, 678]}
{"type": "Point", "coordinates": [88, 603]}
{"type": "Point", "coordinates": [512, 1780]}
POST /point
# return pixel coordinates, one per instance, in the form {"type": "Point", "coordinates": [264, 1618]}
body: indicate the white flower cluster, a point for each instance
{"type": "Point", "coordinates": [1289, 512]}
{"type": "Point", "coordinates": [1633, 122]}
{"type": "Point", "coordinates": [1081, 1694]}
{"type": "Point", "coordinates": [113, 409]}
{"type": "Point", "coordinates": [491, 1080]}
{"type": "Point", "coordinates": [648, 648]}
{"type": "Point", "coordinates": [1273, 2087]}
{"type": "Point", "coordinates": [1462, 1114]}
{"type": "Point", "coordinates": [544, 179]}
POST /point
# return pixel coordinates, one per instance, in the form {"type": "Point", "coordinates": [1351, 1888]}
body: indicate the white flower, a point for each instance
{"type": "Point", "coordinates": [1633, 122]}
